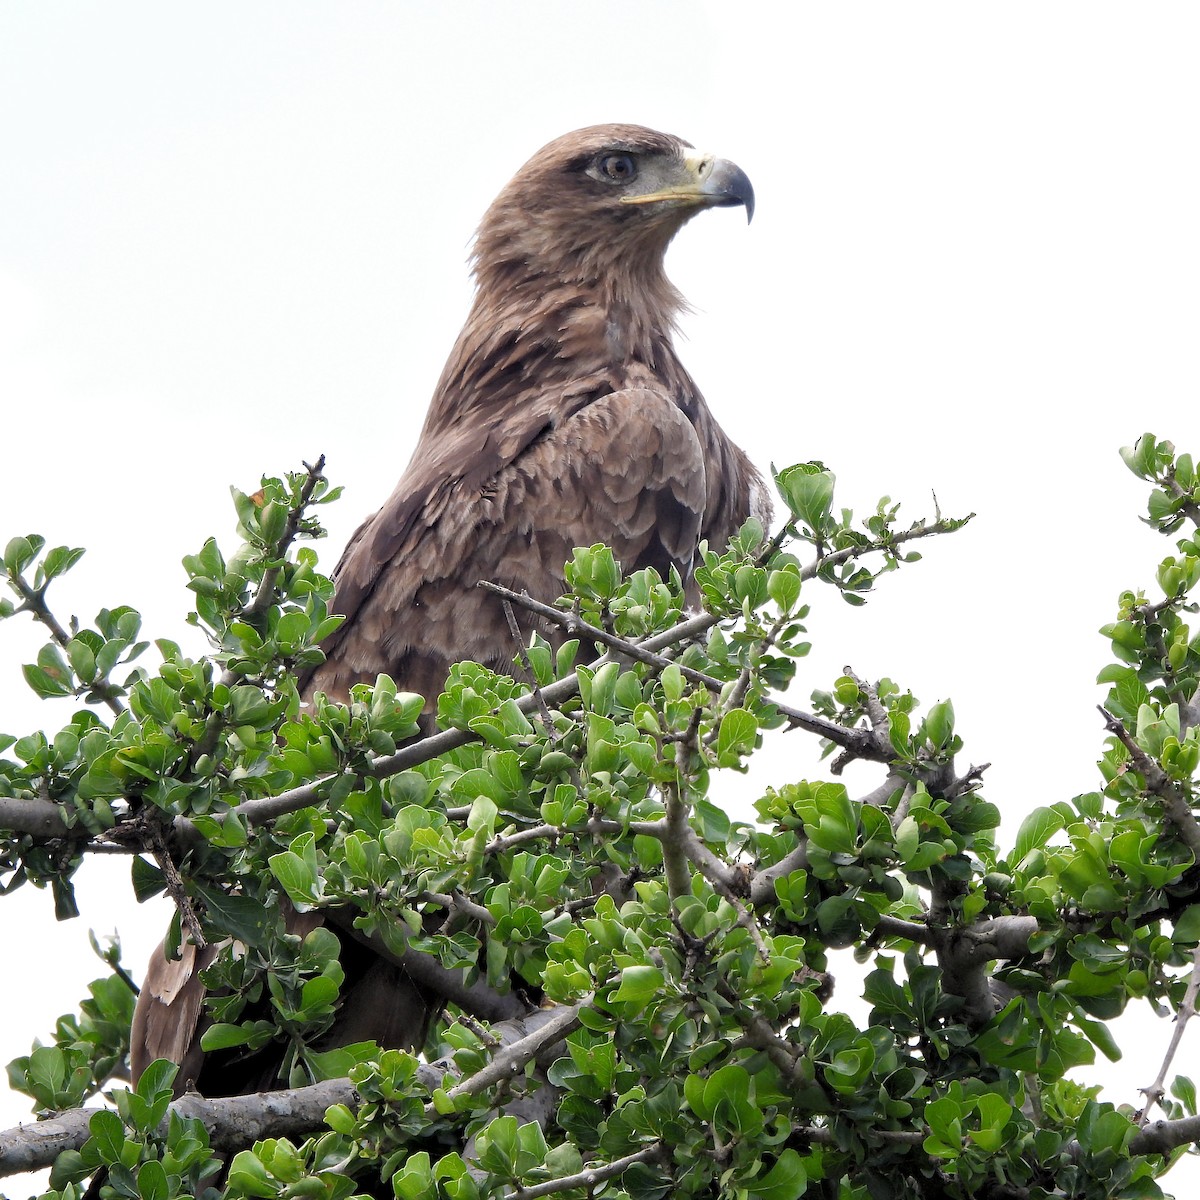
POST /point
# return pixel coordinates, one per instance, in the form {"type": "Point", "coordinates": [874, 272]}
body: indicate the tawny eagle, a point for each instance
{"type": "Point", "coordinates": [563, 418]}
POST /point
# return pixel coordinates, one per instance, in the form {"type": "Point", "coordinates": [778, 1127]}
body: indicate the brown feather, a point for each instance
{"type": "Point", "coordinates": [562, 418]}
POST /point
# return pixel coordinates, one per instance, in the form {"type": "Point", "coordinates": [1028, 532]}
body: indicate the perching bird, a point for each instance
{"type": "Point", "coordinates": [563, 418]}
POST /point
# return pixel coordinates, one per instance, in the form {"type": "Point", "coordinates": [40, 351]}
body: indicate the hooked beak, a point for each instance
{"type": "Point", "coordinates": [703, 181]}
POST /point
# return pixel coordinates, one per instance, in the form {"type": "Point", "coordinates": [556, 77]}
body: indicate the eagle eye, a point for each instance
{"type": "Point", "coordinates": [620, 168]}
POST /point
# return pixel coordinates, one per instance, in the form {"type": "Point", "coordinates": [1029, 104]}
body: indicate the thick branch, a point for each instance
{"type": "Point", "coordinates": [1161, 1137]}
{"type": "Point", "coordinates": [762, 883]}
{"type": "Point", "coordinates": [38, 818]}
{"type": "Point", "coordinates": [760, 1035]}
{"type": "Point", "coordinates": [232, 1122]}
{"type": "Point", "coordinates": [964, 955]}
{"type": "Point", "coordinates": [451, 985]}
{"type": "Point", "coordinates": [910, 931]}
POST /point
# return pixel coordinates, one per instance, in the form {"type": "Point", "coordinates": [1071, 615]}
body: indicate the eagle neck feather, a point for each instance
{"type": "Point", "coordinates": [566, 335]}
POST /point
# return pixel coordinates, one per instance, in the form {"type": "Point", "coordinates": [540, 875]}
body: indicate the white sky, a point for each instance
{"type": "Point", "coordinates": [234, 237]}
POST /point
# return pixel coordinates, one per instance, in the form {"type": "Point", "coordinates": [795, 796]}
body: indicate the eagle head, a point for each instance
{"type": "Point", "coordinates": [601, 203]}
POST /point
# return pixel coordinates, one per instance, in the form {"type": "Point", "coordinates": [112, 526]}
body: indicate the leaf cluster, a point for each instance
{"type": "Point", "coordinates": [559, 853]}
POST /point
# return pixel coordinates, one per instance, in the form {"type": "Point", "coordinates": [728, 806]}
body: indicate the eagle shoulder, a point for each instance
{"type": "Point", "coordinates": [627, 469]}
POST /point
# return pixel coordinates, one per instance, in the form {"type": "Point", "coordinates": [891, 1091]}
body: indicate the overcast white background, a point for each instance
{"type": "Point", "coordinates": [233, 237]}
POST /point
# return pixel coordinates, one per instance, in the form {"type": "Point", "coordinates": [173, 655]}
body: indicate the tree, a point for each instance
{"type": "Point", "coordinates": [636, 989]}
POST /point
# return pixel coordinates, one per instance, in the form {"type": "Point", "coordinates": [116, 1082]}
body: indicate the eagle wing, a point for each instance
{"type": "Point", "coordinates": [627, 469]}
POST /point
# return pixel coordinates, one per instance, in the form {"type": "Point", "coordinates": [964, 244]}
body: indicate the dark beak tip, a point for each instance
{"type": "Point", "coordinates": [729, 185]}
{"type": "Point", "coordinates": [740, 190]}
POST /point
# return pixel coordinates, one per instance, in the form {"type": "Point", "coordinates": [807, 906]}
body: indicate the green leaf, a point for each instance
{"type": "Point", "coordinates": [1036, 830]}
{"type": "Point", "coordinates": [414, 1180]}
{"type": "Point", "coordinates": [784, 588]}
{"type": "Point", "coordinates": [59, 560]}
{"type": "Point", "coordinates": [44, 683]}
{"type": "Point", "coordinates": [807, 490]}
{"type": "Point", "coordinates": [249, 1177]}
{"type": "Point", "coordinates": [222, 1036]}
{"type": "Point", "coordinates": [20, 552]}
{"type": "Point", "coordinates": [152, 1181]}
{"type": "Point", "coordinates": [786, 1180]}
{"type": "Point", "coordinates": [1187, 927]}
{"type": "Point", "coordinates": [109, 1133]}
{"type": "Point", "coordinates": [639, 985]}
{"type": "Point", "coordinates": [148, 880]}
{"type": "Point", "coordinates": [298, 878]}
{"type": "Point", "coordinates": [737, 736]}
{"type": "Point", "coordinates": [157, 1079]}
{"type": "Point", "coordinates": [241, 917]}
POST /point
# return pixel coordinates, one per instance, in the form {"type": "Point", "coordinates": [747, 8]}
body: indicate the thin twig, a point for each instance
{"type": "Point", "coordinates": [589, 1177]}
{"type": "Point", "coordinates": [506, 841]}
{"type": "Point", "coordinates": [33, 601]}
{"type": "Point", "coordinates": [456, 902]}
{"type": "Point", "coordinates": [176, 888]}
{"type": "Point", "coordinates": [1155, 1092]}
{"type": "Point", "coordinates": [677, 829]}
{"type": "Point", "coordinates": [856, 741]}
{"type": "Point", "coordinates": [1189, 508]}
{"type": "Point", "coordinates": [265, 595]}
{"type": "Point", "coordinates": [485, 1035]}
{"type": "Point", "coordinates": [1175, 806]}
{"type": "Point", "coordinates": [527, 667]}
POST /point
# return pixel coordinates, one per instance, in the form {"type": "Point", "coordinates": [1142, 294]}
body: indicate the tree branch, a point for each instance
{"type": "Point", "coordinates": [1161, 1137]}
{"type": "Point", "coordinates": [234, 1122]}
{"type": "Point", "coordinates": [854, 740]}
{"type": "Point", "coordinates": [37, 818]}
{"type": "Point", "coordinates": [910, 931]}
{"type": "Point", "coordinates": [33, 601]}
{"type": "Point", "coordinates": [1189, 508]}
{"type": "Point", "coordinates": [268, 808]}
{"type": "Point", "coordinates": [265, 596]}
{"type": "Point", "coordinates": [477, 999]}
{"type": "Point", "coordinates": [964, 954]}
{"type": "Point", "coordinates": [762, 883]}
{"type": "Point", "coordinates": [1155, 1092]}
{"type": "Point", "coordinates": [1175, 806]}
{"type": "Point", "coordinates": [590, 1176]}
{"type": "Point", "coordinates": [542, 1030]}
